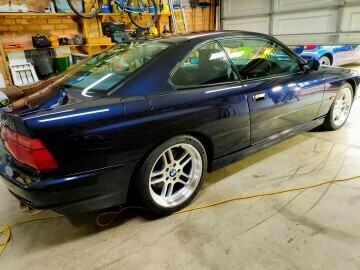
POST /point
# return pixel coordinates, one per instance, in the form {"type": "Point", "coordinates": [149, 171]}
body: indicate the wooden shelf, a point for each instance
{"type": "Point", "coordinates": [54, 47]}
{"type": "Point", "coordinates": [120, 14]}
{"type": "Point", "coordinates": [32, 48]}
{"type": "Point", "coordinates": [38, 14]}
{"type": "Point", "coordinates": [84, 24]}
{"type": "Point", "coordinates": [67, 14]}
{"type": "Point", "coordinates": [102, 44]}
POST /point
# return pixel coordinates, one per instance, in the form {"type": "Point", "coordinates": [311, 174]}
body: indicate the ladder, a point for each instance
{"type": "Point", "coordinates": [177, 7]}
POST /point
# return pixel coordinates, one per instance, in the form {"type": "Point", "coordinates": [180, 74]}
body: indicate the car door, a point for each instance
{"type": "Point", "coordinates": [209, 99]}
{"type": "Point", "coordinates": [351, 53]}
{"type": "Point", "coordinates": [339, 54]}
{"type": "Point", "coordinates": [280, 94]}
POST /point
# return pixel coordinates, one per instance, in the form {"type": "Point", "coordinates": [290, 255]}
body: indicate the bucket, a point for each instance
{"type": "Point", "coordinates": [61, 62]}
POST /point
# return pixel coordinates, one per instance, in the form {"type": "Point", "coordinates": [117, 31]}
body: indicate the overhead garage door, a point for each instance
{"type": "Point", "coordinates": [296, 22]}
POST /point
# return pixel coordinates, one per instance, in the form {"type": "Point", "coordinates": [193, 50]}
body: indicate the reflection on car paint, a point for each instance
{"type": "Point", "coordinates": [337, 55]}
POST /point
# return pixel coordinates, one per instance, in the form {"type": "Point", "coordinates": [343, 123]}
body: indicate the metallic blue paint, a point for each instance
{"type": "Point", "coordinates": [338, 55]}
{"type": "Point", "coordinates": [99, 142]}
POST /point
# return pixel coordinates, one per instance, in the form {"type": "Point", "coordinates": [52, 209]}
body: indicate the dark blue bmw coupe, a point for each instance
{"type": "Point", "coordinates": [145, 121]}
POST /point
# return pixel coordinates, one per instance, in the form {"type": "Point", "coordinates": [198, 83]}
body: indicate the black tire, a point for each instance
{"type": "Point", "coordinates": [86, 15]}
{"type": "Point", "coordinates": [133, 16]}
{"type": "Point", "coordinates": [329, 122]}
{"type": "Point", "coordinates": [145, 192]}
{"type": "Point", "coordinates": [324, 60]}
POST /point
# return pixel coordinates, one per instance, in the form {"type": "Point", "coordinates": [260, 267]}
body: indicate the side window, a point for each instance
{"type": "Point", "coordinates": [204, 66]}
{"type": "Point", "coordinates": [258, 58]}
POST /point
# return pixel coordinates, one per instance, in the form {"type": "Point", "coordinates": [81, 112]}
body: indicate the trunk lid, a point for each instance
{"type": "Point", "coordinates": [50, 98]}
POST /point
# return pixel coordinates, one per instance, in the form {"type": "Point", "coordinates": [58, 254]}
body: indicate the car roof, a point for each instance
{"type": "Point", "coordinates": [180, 38]}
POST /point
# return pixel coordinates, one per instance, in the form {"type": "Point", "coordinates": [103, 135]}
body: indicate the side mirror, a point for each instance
{"type": "Point", "coordinates": [194, 60]}
{"type": "Point", "coordinates": [312, 65]}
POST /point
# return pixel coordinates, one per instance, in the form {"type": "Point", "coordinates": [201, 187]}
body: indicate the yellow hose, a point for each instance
{"type": "Point", "coordinates": [6, 232]}
{"type": "Point", "coordinates": [266, 194]}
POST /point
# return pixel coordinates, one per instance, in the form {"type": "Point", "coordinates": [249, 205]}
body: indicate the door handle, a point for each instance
{"type": "Point", "coordinates": [259, 97]}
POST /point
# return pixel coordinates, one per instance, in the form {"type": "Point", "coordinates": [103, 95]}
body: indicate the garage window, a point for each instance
{"type": "Point", "coordinates": [259, 58]}
{"type": "Point", "coordinates": [206, 65]}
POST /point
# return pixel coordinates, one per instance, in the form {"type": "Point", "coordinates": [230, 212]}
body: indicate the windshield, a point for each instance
{"type": "Point", "coordinates": [102, 73]}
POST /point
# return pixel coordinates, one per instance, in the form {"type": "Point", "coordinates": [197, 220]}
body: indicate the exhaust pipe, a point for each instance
{"type": "Point", "coordinates": [29, 210]}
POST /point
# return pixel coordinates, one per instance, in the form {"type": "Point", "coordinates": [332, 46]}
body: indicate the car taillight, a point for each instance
{"type": "Point", "coordinates": [310, 47]}
{"type": "Point", "coordinates": [31, 152]}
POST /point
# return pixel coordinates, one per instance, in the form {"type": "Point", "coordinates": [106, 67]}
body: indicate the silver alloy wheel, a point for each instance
{"type": "Point", "coordinates": [342, 106]}
{"type": "Point", "coordinates": [325, 61]}
{"type": "Point", "coordinates": [175, 175]}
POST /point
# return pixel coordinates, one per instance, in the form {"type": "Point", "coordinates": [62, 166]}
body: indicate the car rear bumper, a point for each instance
{"type": "Point", "coordinates": [78, 193]}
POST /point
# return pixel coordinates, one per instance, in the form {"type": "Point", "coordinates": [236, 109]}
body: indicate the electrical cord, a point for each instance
{"type": "Point", "coordinates": [6, 231]}
{"type": "Point", "coordinates": [113, 215]}
{"type": "Point", "coordinates": [266, 194]}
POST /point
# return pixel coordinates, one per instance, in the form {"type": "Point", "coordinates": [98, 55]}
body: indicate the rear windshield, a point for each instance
{"type": "Point", "coordinates": [102, 73]}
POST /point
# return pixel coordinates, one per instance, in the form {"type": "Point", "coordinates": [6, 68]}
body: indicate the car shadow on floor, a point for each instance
{"type": "Point", "coordinates": [238, 166]}
{"type": "Point", "coordinates": [74, 227]}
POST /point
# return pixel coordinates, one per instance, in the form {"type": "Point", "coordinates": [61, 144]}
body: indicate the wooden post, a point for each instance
{"type": "Point", "coordinates": [6, 65]}
{"type": "Point", "coordinates": [99, 22]}
{"type": "Point", "coordinates": [212, 15]}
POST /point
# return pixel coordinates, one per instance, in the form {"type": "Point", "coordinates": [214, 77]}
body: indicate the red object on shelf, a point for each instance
{"type": "Point", "coordinates": [13, 46]}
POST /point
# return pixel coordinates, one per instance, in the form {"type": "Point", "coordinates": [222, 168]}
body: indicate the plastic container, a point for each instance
{"type": "Point", "coordinates": [61, 63]}
{"type": "Point", "coordinates": [106, 8]}
{"type": "Point", "coordinates": [151, 9]}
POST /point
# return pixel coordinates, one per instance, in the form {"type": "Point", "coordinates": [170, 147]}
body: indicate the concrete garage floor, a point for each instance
{"type": "Point", "coordinates": [309, 229]}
